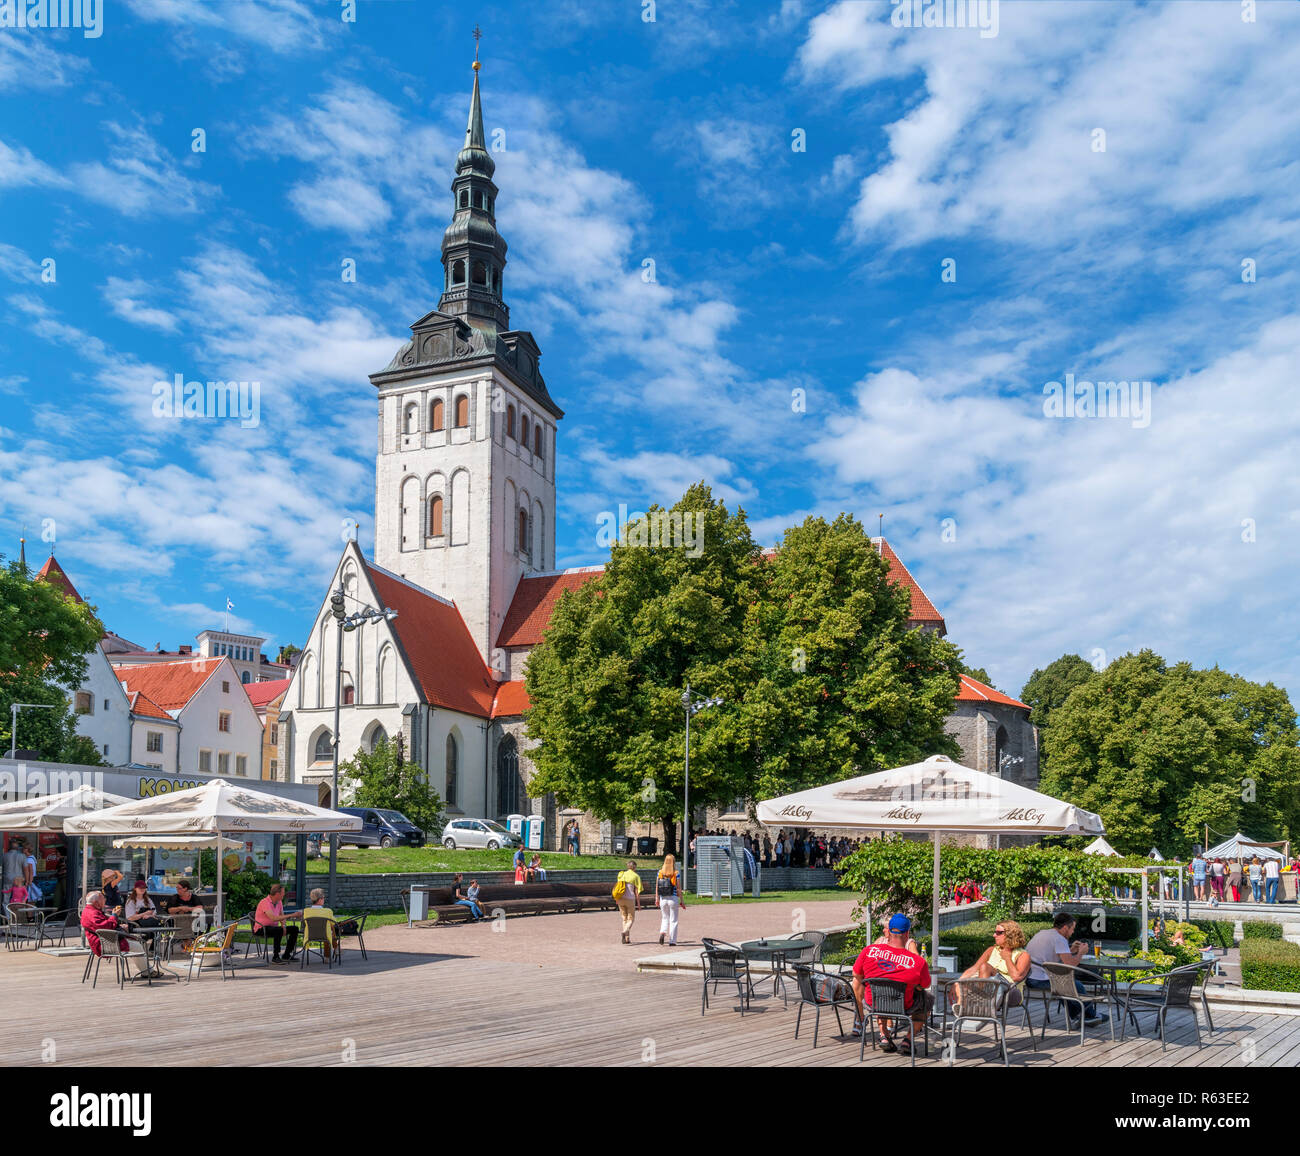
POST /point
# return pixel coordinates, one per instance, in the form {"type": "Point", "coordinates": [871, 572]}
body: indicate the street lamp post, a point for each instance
{"type": "Point", "coordinates": [13, 721]}
{"type": "Point", "coordinates": [690, 706]}
{"type": "Point", "coordinates": [346, 623]}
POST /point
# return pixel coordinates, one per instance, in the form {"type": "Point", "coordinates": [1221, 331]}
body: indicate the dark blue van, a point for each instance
{"type": "Point", "coordinates": [381, 828]}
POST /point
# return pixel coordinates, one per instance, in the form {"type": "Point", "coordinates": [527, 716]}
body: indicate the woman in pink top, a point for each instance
{"type": "Point", "coordinates": [268, 921]}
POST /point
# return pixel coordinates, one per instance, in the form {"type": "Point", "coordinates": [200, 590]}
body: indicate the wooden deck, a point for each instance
{"type": "Point", "coordinates": [415, 1008]}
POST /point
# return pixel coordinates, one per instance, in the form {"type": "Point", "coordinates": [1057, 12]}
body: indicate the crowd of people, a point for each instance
{"type": "Point", "coordinates": [1253, 881]}
{"type": "Point", "coordinates": [793, 848]}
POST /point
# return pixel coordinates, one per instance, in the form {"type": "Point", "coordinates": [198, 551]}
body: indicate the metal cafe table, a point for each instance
{"type": "Point", "coordinates": [775, 952]}
{"type": "Point", "coordinates": [1109, 967]}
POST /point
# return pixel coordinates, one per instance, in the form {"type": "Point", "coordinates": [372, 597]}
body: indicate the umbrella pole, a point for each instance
{"type": "Point", "coordinates": [85, 869]}
{"type": "Point", "coordinates": [217, 909]}
{"type": "Point", "coordinates": [934, 904]}
{"type": "Point", "coordinates": [1144, 909]}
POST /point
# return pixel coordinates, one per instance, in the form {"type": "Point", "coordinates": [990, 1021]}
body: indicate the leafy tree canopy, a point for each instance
{"type": "Point", "coordinates": [1048, 688]}
{"type": "Point", "coordinates": [377, 779]}
{"type": "Point", "coordinates": [1159, 751]}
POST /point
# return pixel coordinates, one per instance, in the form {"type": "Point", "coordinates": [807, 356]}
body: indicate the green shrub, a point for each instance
{"type": "Point", "coordinates": [1218, 933]}
{"type": "Point", "coordinates": [1270, 965]}
{"type": "Point", "coordinates": [1261, 930]}
{"type": "Point", "coordinates": [1163, 961]}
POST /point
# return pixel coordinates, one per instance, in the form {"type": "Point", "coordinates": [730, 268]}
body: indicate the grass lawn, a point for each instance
{"type": "Point", "coordinates": [435, 857]}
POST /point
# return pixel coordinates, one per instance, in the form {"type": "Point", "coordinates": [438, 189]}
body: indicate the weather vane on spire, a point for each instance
{"type": "Point", "coordinates": [477, 37]}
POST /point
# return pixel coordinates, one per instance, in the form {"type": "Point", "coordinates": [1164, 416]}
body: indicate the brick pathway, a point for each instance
{"type": "Point", "coordinates": [591, 939]}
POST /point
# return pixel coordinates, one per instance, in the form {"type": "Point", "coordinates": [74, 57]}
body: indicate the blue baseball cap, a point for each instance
{"type": "Point", "coordinates": [900, 923]}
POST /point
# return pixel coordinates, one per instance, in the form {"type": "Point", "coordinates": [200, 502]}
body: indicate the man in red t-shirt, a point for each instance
{"type": "Point", "coordinates": [892, 960]}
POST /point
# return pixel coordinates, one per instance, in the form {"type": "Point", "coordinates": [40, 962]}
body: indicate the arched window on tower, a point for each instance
{"type": "Point", "coordinates": [1000, 741]}
{"type": "Point", "coordinates": [496, 280]}
{"type": "Point", "coordinates": [453, 760]}
{"type": "Point", "coordinates": [464, 198]}
{"type": "Point", "coordinates": [412, 424]}
{"type": "Point", "coordinates": [523, 430]}
{"type": "Point", "coordinates": [509, 789]}
{"type": "Point", "coordinates": [538, 443]}
{"type": "Point", "coordinates": [481, 199]}
{"type": "Point", "coordinates": [480, 273]}
{"type": "Point", "coordinates": [435, 414]}
{"type": "Point", "coordinates": [525, 538]}
{"type": "Point", "coordinates": [462, 412]}
{"type": "Point", "coordinates": [324, 751]}
{"type": "Point", "coordinates": [458, 272]}
{"type": "Point", "coordinates": [510, 421]}
{"type": "Point", "coordinates": [435, 515]}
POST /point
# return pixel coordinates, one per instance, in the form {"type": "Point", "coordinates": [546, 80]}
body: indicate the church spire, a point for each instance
{"type": "Point", "coordinates": [473, 252]}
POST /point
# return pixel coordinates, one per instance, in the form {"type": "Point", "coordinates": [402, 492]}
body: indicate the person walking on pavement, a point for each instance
{"type": "Point", "coordinates": [626, 891]}
{"type": "Point", "coordinates": [668, 891]}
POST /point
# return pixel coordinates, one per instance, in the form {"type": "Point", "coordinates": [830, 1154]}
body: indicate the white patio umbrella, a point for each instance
{"type": "Point", "coordinates": [51, 812]}
{"type": "Point", "coordinates": [1099, 846]}
{"type": "Point", "coordinates": [936, 796]}
{"type": "Point", "coordinates": [215, 808]}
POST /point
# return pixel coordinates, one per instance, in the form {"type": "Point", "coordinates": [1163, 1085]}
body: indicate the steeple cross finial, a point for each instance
{"type": "Point", "coordinates": [477, 37]}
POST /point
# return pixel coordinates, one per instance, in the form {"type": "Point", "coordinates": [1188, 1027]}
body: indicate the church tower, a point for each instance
{"type": "Point", "coordinates": [465, 473]}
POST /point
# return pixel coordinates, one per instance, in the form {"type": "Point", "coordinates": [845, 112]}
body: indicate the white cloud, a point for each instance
{"type": "Point", "coordinates": [18, 167]}
{"type": "Point", "coordinates": [284, 26]}
{"type": "Point", "coordinates": [124, 298]}
{"type": "Point", "coordinates": [30, 62]}
{"type": "Point", "coordinates": [139, 177]}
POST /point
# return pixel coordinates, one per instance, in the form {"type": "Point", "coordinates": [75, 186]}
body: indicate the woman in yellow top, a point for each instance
{"type": "Point", "coordinates": [1006, 959]}
{"type": "Point", "coordinates": [668, 891]}
{"type": "Point", "coordinates": [626, 891]}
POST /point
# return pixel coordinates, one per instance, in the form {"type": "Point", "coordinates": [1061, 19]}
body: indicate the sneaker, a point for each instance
{"type": "Point", "coordinates": [1095, 1019]}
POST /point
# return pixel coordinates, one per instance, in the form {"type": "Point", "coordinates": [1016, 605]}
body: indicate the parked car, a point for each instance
{"type": "Point", "coordinates": [477, 833]}
{"type": "Point", "coordinates": [381, 828]}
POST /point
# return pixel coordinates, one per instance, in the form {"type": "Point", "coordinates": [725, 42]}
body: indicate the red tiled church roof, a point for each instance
{"type": "Point", "coordinates": [535, 601]}
{"type": "Point", "coordinates": [972, 690]}
{"type": "Point", "coordinates": [439, 651]}
{"type": "Point", "coordinates": [170, 685]}
{"type": "Point", "coordinates": [922, 608]}
{"type": "Point", "coordinates": [511, 699]}
{"type": "Point", "coordinates": [54, 574]}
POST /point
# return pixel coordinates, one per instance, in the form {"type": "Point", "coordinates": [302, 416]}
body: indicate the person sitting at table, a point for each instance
{"type": "Point", "coordinates": [96, 918]}
{"type": "Point", "coordinates": [269, 920]}
{"type": "Point", "coordinates": [318, 910]}
{"type": "Point", "coordinates": [912, 945]}
{"type": "Point", "coordinates": [1006, 959]}
{"type": "Point", "coordinates": [1052, 945]}
{"type": "Point", "coordinates": [892, 960]}
{"type": "Point", "coordinates": [140, 911]}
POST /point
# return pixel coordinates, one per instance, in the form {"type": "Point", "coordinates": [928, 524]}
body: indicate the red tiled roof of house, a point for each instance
{"type": "Point", "coordinates": [263, 693]}
{"type": "Point", "coordinates": [922, 608]}
{"type": "Point", "coordinates": [534, 602]}
{"type": "Point", "coordinates": [168, 684]}
{"type": "Point", "coordinates": [972, 690]}
{"type": "Point", "coordinates": [143, 705]}
{"type": "Point", "coordinates": [511, 699]}
{"type": "Point", "coordinates": [54, 574]}
{"type": "Point", "coordinates": [439, 651]}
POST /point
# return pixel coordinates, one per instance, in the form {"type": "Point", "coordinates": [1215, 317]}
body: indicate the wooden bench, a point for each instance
{"type": "Point", "coordinates": [530, 899]}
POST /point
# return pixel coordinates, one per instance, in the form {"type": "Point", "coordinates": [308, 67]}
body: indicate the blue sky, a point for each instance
{"type": "Point", "coordinates": [627, 140]}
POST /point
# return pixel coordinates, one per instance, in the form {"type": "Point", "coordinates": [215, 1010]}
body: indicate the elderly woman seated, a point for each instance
{"type": "Point", "coordinates": [1007, 960]}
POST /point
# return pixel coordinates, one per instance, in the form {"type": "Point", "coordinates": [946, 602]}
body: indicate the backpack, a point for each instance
{"type": "Point", "coordinates": [619, 888]}
{"type": "Point", "coordinates": [665, 887]}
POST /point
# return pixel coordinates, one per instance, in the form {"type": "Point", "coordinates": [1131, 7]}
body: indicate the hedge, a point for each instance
{"type": "Point", "coordinates": [1260, 930]}
{"type": "Point", "coordinates": [1270, 965]}
{"type": "Point", "coordinates": [1218, 933]}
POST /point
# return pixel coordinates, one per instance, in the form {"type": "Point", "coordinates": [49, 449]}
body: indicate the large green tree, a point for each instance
{"type": "Point", "coordinates": [1159, 751]}
{"type": "Point", "coordinates": [809, 648]}
{"type": "Point", "coordinates": [606, 683]}
{"type": "Point", "coordinates": [1048, 688]}
{"type": "Point", "coordinates": [379, 779]}
{"type": "Point", "coordinates": [838, 685]}
{"type": "Point", "coordinates": [45, 638]}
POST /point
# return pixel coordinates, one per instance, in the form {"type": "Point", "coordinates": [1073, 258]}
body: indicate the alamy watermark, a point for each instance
{"type": "Point", "coordinates": [661, 528]}
{"type": "Point", "coordinates": [25, 782]}
{"type": "Point", "coordinates": [1125, 399]}
{"type": "Point", "coordinates": [981, 14]}
{"type": "Point", "coordinates": [88, 15]}
{"type": "Point", "coordinates": [179, 398]}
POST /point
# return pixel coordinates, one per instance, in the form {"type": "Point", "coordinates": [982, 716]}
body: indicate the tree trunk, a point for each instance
{"type": "Point", "coordinates": [670, 838]}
